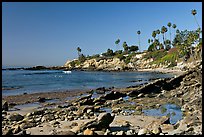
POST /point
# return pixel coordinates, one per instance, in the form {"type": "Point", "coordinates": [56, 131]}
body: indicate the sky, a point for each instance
{"type": "Point", "coordinates": [48, 33]}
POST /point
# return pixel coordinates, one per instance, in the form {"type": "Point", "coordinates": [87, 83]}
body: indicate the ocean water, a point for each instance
{"type": "Point", "coordinates": [16, 82]}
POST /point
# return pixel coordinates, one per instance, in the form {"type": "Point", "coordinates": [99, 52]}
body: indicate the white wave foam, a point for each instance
{"type": "Point", "coordinates": [67, 72]}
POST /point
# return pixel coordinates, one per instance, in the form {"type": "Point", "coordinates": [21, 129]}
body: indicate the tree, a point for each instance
{"type": "Point", "coordinates": [133, 48]}
{"type": "Point", "coordinates": [169, 25]}
{"type": "Point", "coordinates": [194, 12]}
{"type": "Point", "coordinates": [125, 46]}
{"type": "Point", "coordinates": [163, 31]}
{"type": "Point", "coordinates": [138, 32]}
{"type": "Point", "coordinates": [184, 41]}
{"type": "Point", "coordinates": [158, 32]}
{"type": "Point", "coordinates": [174, 26]}
{"type": "Point", "coordinates": [82, 58]}
{"type": "Point", "coordinates": [149, 41]}
{"type": "Point", "coordinates": [79, 50]}
{"type": "Point", "coordinates": [109, 52]}
{"type": "Point", "coordinates": [154, 34]}
{"type": "Point", "coordinates": [117, 42]}
{"type": "Point", "coordinates": [168, 44]}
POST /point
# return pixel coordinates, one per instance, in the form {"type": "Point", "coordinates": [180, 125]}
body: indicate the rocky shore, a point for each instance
{"type": "Point", "coordinates": [111, 111]}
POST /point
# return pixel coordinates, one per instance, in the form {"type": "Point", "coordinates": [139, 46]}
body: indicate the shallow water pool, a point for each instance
{"type": "Point", "coordinates": [172, 110]}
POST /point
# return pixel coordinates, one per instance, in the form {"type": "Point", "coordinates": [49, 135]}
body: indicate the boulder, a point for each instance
{"type": "Point", "coordinates": [5, 106]}
{"type": "Point", "coordinates": [114, 95]}
{"type": "Point", "coordinates": [105, 119]}
{"type": "Point", "coordinates": [120, 133]}
{"type": "Point", "coordinates": [101, 122]}
{"type": "Point", "coordinates": [143, 131]}
{"type": "Point", "coordinates": [88, 132]}
{"type": "Point", "coordinates": [167, 128]}
{"type": "Point", "coordinates": [15, 117]}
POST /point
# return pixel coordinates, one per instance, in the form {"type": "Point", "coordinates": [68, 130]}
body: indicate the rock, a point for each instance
{"type": "Point", "coordinates": [41, 100]}
{"type": "Point", "coordinates": [99, 132]}
{"type": "Point", "coordinates": [114, 95]}
{"type": "Point", "coordinates": [138, 108]}
{"type": "Point", "coordinates": [47, 117]}
{"type": "Point", "coordinates": [5, 106]}
{"type": "Point", "coordinates": [116, 110]}
{"type": "Point", "coordinates": [101, 122]}
{"type": "Point", "coordinates": [143, 131]}
{"type": "Point", "coordinates": [140, 95]}
{"type": "Point", "coordinates": [76, 129]}
{"type": "Point", "coordinates": [23, 132]}
{"type": "Point", "coordinates": [105, 119]}
{"type": "Point", "coordinates": [87, 109]}
{"type": "Point", "coordinates": [15, 117]}
{"type": "Point", "coordinates": [120, 133]}
{"type": "Point", "coordinates": [65, 133]}
{"type": "Point", "coordinates": [54, 122]}
{"type": "Point", "coordinates": [156, 130]}
{"type": "Point", "coordinates": [38, 112]}
{"type": "Point", "coordinates": [108, 132]}
{"type": "Point", "coordinates": [165, 120]}
{"type": "Point", "coordinates": [16, 129]}
{"type": "Point", "coordinates": [8, 132]}
{"type": "Point", "coordinates": [130, 132]}
{"type": "Point", "coordinates": [166, 128]}
{"type": "Point", "coordinates": [88, 132]}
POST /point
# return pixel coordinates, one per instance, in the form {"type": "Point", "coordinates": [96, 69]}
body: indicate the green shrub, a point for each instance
{"type": "Point", "coordinates": [158, 54]}
{"type": "Point", "coordinates": [127, 59]}
{"type": "Point", "coordinates": [120, 56]}
{"type": "Point", "coordinates": [82, 58]}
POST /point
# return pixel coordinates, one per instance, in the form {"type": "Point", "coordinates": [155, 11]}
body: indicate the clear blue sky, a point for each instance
{"type": "Point", "coordinates": [37, 33]}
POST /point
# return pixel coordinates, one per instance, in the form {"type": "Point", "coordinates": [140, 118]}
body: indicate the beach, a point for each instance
{"type": "Point", "coordinates": [119, 104]}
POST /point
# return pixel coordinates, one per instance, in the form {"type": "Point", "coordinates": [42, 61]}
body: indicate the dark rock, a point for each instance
{"type": "Point", "coordinates": [101, 122]}
{"type": "Point", "coordinates": [104, 120]}
{"type": "Point", "coordinates": [114, 95]}
{"type": "Point", "coordinates": [15, 117]}
{"type": "Point", "coordinates": [5, 106]}
{"type": "Point", "coordinates": [41, 100]}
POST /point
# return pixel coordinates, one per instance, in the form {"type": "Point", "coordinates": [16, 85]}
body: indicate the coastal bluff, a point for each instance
{"type": "Point", "coordinates": [136, 62]}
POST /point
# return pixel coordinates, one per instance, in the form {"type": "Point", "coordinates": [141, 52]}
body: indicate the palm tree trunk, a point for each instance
{"type": "Point", "coordinates": [139, 42]}
{"type": "Point", "coordinates": [163, 38]}
{"type": "Point", "coordinates": [170, 35]}
{"type": "Point", "coordinates": [196, 21]}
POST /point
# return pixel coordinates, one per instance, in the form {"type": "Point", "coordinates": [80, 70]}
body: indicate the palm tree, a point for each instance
{"type": "Point", "coordinates": [162, 32]}
{"type": "Point", "coordinates": [177, 31]}
{"type": "Point", "coordinates": [138, 32]}
{"type": "Point", "coordinates": [194, 12]}
{"type": "Point", "coordinates": [154, 34]}
{"type": "Point", "coordinates": [125, 46]}
{"type": "Point", "coordinates": [117, 42]}
{"type": "Point", "coordinates": [158, 32]}
{"type": "Point", "coordinates": [79, 50]}
{"type": "Point", "coordinates": [149, 41]}
{"type": "Point", "coordinates": [169, 25]}
{"type": "Point", "coordinates": [174, 26]}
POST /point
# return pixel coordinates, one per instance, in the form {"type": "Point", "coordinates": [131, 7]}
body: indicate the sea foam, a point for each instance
{"type": "Point", "coordinates": [67, 72]}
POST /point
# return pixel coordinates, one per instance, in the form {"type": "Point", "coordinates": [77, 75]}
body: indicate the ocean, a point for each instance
{"type": "Point", "coordinates": [16, 82]}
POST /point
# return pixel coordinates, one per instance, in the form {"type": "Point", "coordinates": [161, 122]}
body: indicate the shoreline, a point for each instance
{"type": "Point", "coordinates": [119, 106]}
{"type": "Point", "coordinates": [33, 97]}
{"type": "Point", "coordinates": [163, 70]}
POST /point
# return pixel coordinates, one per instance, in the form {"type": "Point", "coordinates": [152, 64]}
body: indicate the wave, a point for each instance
{"type": "Point", "coordinates": [67, 72]}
